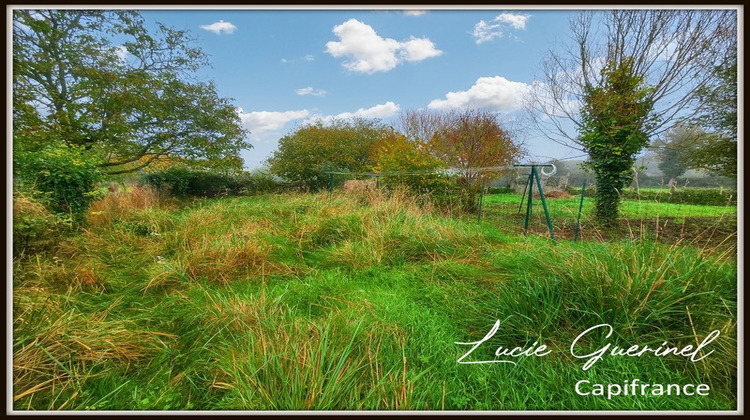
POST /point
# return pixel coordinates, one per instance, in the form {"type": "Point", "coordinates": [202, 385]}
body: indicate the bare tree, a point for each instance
{"type": "Point", "coordinates": [672, 50]}
{"type": "Point", "coordinates": [422, 126]}
{"type": "Point", "coordinates": [463, 138]}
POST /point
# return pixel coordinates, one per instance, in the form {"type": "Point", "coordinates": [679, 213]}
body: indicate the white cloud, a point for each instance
{"type": "Point", "coordinates": [309, 57]}
{"type": "Point", "coordinates": [370, 53]}
{"type": "Point", "coordinates": [414, 12]}
{"type": "Point", "coordinates": [220, 27]}
{"type": "Point", "coordinates": [484, 31]}
{"type": "Point", "coordinates": [260, 121]}
{"type": "Point", "coordinates": [492, 93]}
{"type": "Point", "coordinates": [418, 49]}
{"type": "Point", "coordinates": [663, 50]}
{"type": "Point", "coordinates": [311, 91]}
{"type": "Point", "coordinates": [385, 110]}
{"type": "Point", "coordinates": [122, 52]}
{"type": "Point", "coordinates": [516, 21]}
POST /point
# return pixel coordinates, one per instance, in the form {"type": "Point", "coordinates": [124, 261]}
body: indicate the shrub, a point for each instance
{"type": "Point", "coordinates": [184, 182]}
{"type": "Point", "coordinates": [305, 156]}
{"type": "Point", "coordinates": [260, 182]}
{"type": "Point", "coordinates": [697, 196]}
{"type": "Point", "coordinates": [62, 177]}
{"type": "Point", "coordinates": [408, 163]}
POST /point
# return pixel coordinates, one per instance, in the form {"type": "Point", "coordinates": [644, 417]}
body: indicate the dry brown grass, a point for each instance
{"type": "Point", "coordinates": [66, 345]}
{"type": "Point", "coordinates": [556, 194]}
{"type": "Point", "coordinates": [391, 226]}
{"type": "Point", "coordinates": [24, 205]}
{"type": "Point", "coordinates": [354, 186]}
{"type": "Point", "coordinates": [35, 228]}
{"type": "Point", "coordinates": [123, 202]}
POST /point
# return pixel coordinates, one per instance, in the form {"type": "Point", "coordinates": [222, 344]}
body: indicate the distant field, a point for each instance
{"type": "Point", "coordinates": [567, 208]}
{"type": "Point", "coordinates": [356, 303]}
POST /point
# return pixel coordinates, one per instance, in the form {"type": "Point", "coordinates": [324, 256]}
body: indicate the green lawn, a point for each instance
{"type": "Point", "coordinates": [355, 303]}
{"type": "Point", "coordinates": [567, 208]}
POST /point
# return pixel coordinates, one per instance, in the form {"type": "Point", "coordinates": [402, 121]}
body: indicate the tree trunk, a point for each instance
{"type": "Point", "coordinates": [672, 185]}
{"type": "Point", "coordinates": [607, 200]}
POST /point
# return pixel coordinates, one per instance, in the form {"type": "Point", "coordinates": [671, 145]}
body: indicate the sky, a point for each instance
{"type": "Point", "coordinates": [284, 68]}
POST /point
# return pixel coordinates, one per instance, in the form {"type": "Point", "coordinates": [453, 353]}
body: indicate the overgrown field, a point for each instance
{"type": "Point", "coordinates": [709, 227]}
{"type": "Point", "coordinates": [320, 302]}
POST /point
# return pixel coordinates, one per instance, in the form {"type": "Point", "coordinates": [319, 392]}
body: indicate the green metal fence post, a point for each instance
{"type": "Point", "coordinates": [544, 203]}
{"type": "Point", "coordinates": [528, 204]}
{"type": "Point", "coordinates": [580, 210]}
{"type": "Point", "coordinates": [481, 200]}
{"type": "Point", "coordinates": [523, 196]}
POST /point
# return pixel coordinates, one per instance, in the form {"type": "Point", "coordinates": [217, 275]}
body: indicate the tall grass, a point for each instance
{"type": "Point", "coordinates": [352, 302]}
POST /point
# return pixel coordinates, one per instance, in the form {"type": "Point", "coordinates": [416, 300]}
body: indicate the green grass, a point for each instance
{"type": "Point", "coordinates": [707, 227]}
{"type": "Point", "coordinates": [567, 208]}
{"type": "Point", "coordinates": [295, 302]}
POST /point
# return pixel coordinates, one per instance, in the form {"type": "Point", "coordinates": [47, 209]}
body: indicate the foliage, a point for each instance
{"type": "Point", "coordinates": [675, 150]}
{"type": "Point", "coordinates": [410, 164]}
{"type": "Point", "coordinates": [715, 154]}
{"type": "Point", "coordinates": [187, 182]}
{"type": "Point", "coordinates": [422, 125]}
{"type": "Point", "coordinates": [260, 182]}
{"type": "Point", "coordinates": [695, 196]}
{"type": "Point", "coordinates": [719, 99]}
{"type": "Point", "coordinates": [61, 176]}
{"type": "Point", "coordinates": [616, 119]}
{"type": "Point", "coordinates": [698, 196]}
{"type": "Point", "coordinates": [305, 155]}
{"type": "Point", "coordinates": [98, 79]}
{"type": "Point", "coordinates": [473, 138]}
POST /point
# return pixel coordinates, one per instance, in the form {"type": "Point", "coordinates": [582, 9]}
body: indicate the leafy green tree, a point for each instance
{"type": "Point", "coordinates": [129, 102]}
{"type": "Point", "coordinates": [304, 156]}
{"type": "Point", "coordinates": [717, 153]}
{"type": "Point", "coordinates": [617, 117]}
{"type": "Point", "coordinates": [409, 163]}
{"type": "Point", "coordinates": [675, 150]}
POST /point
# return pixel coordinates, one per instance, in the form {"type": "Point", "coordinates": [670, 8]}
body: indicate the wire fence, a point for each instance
{"type": "Point", "coordinates": [698, 216]}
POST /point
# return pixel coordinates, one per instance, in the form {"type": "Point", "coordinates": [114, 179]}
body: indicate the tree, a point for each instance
{"type": "Point", "coordinates": [304, 156]}
{"type": "Point", "coordinates": [471, 139]}
{"type": "Point", "coordinates": [421, 126]}
{"type": "Point", "coordinates": [616, 118]}
{"type": "Point", "coordinates": [675, 149]}
{"type": "Point", "coordinates": [122, 101]}
{"type": "Point", "coordinates": [409, 163]}
{"type": "Point", "coordinates": [718, 153]}
{"type": "Point", "coordinates": [671, 51]}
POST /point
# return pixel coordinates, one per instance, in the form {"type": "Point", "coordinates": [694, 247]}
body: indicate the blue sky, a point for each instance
{"type": "Point", "coordinates": [286, 67]}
